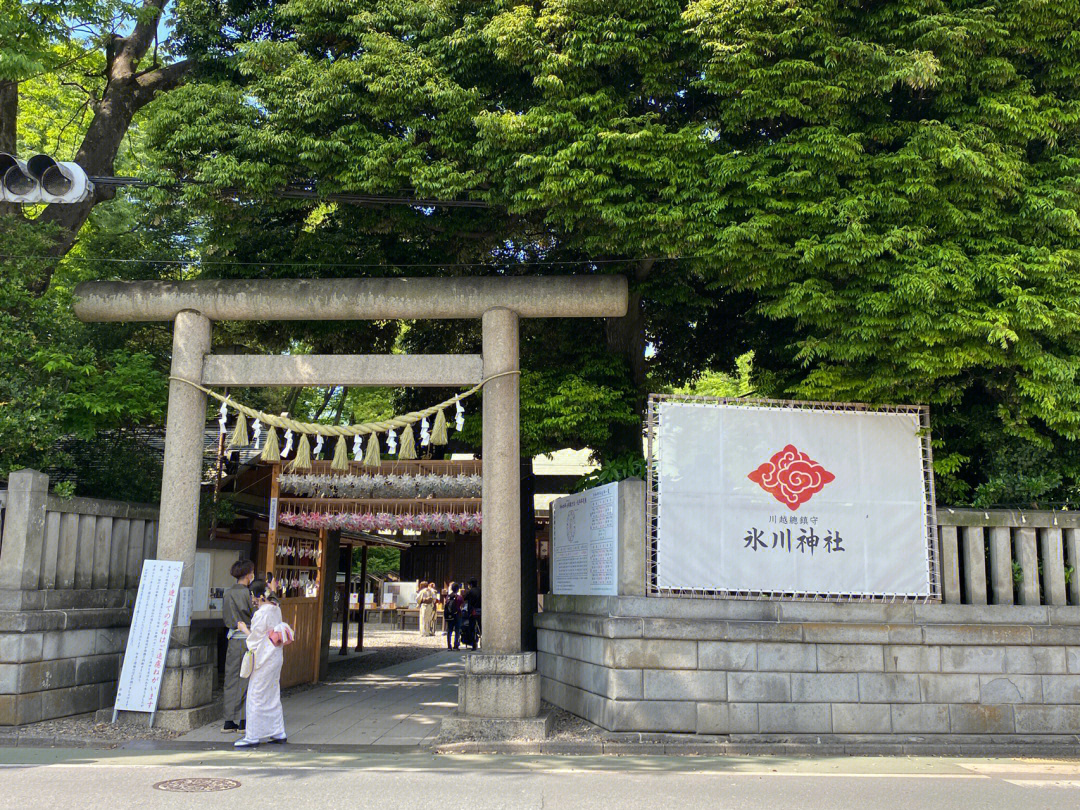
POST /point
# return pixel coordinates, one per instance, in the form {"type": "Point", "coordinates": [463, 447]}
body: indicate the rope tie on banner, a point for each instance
{"type": "Point", "coordinates": [404, 423]}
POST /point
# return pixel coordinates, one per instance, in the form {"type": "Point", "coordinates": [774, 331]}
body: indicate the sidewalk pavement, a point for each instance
{"type": "Point", "coordinates": [399, 706]}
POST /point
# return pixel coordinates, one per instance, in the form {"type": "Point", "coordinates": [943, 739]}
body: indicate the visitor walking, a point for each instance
{"type": "Point", "coordinates": [236, 612]}
{"type": "Point", "coordinates": [266, 636]}
{"type": "Point", "coordinates": [451, 614]}
{"type": "Point", "coordinates": [425, 598]}
{"type": "Point", "coordinates": [471, 609]}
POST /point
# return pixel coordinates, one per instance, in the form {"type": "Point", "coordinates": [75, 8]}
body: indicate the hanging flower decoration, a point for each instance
{"type": "Point", "coordinates": [429, 485]}
{"type": "Point", "coordinates": [457, 522]}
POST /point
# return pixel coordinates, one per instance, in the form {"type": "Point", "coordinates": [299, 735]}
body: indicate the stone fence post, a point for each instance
{"type": "Point", "coordinates": [24, 530]}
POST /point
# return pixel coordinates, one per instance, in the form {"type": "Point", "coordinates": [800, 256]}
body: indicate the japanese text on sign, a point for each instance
{"type": "Point", "coordinates": [781, 499]}
{"type": "Point", "coordinates": [148, 640]}
{"type": "Point", "coordinates": [585, 542]}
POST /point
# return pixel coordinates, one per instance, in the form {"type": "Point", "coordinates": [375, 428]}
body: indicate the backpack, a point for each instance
{"type": "Point", "coordinates": [450, 608]}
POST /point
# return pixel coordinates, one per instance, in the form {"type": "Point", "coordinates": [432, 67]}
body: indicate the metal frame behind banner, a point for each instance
{"type": "Point", "coordinates": [652, 425]}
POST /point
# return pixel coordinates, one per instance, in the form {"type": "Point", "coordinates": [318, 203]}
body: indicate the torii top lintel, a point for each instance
{"type": "Point", "coordinates": [353, 298]}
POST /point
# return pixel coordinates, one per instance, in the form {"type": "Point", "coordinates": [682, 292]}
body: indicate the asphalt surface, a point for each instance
{"type": "Point", "coordinates": [40, 779]}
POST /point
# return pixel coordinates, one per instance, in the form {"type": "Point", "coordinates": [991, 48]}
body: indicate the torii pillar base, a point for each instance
{"type": "Point", "coordinates": [498, 698]}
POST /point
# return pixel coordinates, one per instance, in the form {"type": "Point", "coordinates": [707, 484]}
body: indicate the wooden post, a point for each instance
{"type": "Point", "coordinates": [363, 594]}
{"type": "Point", "coordinates": [321, 575]}
{"type": "Point", "coordinates": [271, 535]}
{"type": "Point", "coordinates": [346, 555]}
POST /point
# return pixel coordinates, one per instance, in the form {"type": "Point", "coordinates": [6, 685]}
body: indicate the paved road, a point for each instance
{"type": "Point", "coordinates": [41, 779]}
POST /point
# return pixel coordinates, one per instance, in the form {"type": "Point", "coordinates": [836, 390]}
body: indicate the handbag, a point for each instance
{"type": "Point", "coordinates": [282, 637]}
{"type": "Point", "coordinates": [247, 664]}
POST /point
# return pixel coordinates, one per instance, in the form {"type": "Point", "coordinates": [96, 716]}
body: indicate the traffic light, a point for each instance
{"type": "Point", "coordinates": [41, 179]}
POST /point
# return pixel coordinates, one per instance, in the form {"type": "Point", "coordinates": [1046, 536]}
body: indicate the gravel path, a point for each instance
{"type": "Point", "coordinates": [79, 731]}
{"type": "Point", "coordinates": [382, 649]}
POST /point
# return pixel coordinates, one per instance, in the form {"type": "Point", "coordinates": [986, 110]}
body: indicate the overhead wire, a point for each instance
{"type": "Point", "coordinates": [296, 193]}
{"type": "Point", "coordinates": [350, 265]}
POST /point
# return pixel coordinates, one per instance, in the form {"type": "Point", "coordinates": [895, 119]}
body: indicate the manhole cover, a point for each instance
{"type": "Point", "coordinates": [197, 785]}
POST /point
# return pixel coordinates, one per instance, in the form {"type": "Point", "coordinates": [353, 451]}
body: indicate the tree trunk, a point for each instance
{"type": "Point", "coordinates": [9, 117]}
{"type": "Point", "coordinates": [626, 337]}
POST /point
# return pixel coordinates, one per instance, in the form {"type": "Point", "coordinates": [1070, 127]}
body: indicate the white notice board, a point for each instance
{"type": "Point", "coordinates": [585, 542]}
{"type": "Point", "coordinates": [782, 500]}
{"type": "Point", "coordinates": [148, 641]}
{"type": "Point", "coordinates": [201, 582]}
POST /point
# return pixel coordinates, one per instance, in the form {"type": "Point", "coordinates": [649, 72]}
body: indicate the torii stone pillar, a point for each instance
{"type": "Point", "coordinates": [500, 688]}
{"type": "Point", "coordinates": [181, 475]}
{"type": "Point", "coordinates": [501, 571]}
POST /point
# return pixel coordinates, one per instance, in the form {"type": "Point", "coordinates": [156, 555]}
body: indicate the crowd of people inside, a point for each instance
{"type": "Point", "coordinates": [460, 606]}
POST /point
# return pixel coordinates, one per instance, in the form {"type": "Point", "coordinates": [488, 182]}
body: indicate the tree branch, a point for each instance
{"type": "Point", "coordinates": [126, 92]}
{"type": "Point", "coordinates": [160, 80]}
{"type": "Point", "coordinates": [134, 46]}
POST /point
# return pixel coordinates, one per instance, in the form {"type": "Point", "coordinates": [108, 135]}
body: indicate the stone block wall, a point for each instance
{"type": "Point", "coordinates": [56, 663]}
{"type": "Point", "coordinates": [663, 664]}
{"type": "Point", "coordinates": [69, 571]}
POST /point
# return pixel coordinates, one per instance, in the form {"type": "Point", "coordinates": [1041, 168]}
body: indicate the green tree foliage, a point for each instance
{"type": "Point", "coordinates": [722, 384]}
{"type": "Point", "coordinates": [381, 560]}
{"type": "Point", "coordinates": [62, 378]}
{"type": "Point", "coordinates": [911, 215]}
{"type": "Point", "coordinates": [72, 78]}
{"type": "Point", "coordinates": [879, 200]}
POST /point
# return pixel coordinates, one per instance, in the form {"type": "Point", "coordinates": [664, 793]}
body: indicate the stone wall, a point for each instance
{"type": "Point", "coordinates": [69, 571]}
{"type": "Point", "coordinates": [663, 664]}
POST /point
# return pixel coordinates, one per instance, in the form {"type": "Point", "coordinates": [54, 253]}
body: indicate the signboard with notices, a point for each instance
{"type": "Point", "coordinates": [781, 499]}
{"type": "Point", "coordinates": [148, 640]}
{"type": "Point", "coordinates": [184, 603]}
{"type": "Point", "coordinates": [201, 582]}
{"type": "Point", "coordinates": [585, 543]}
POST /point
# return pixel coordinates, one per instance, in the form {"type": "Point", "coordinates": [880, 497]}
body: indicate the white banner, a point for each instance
{"type": "Point", "coordinates": [148, 640]}
{"type": "Point", "coordinates": [585, 542]}
{"type": "Point", "coordinates": [201, 582]}
{"type": "Point", "coordinates": [788, 500]}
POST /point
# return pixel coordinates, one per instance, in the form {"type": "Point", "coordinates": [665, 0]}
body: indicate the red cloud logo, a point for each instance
{"type": "Point", "coordinates": [792, 477]}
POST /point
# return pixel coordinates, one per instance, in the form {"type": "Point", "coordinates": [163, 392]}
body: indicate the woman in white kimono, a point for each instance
{"type": "Point", "coordinates": [265, 721]}
{"type": "Point", "coordinates": [425, 598]}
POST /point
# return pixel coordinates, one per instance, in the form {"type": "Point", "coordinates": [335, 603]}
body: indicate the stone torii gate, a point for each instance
{"type": "Point", "coordinates": [501, 682]}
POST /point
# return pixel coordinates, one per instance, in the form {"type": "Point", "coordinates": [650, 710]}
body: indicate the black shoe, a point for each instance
{"type": "Point", "coordinates": [229, 726]}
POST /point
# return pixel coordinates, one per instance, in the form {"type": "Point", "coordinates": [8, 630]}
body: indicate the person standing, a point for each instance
{"type": "Point", "coordinates": [265, 719]}
{"type": "Point", "coordinates": [425, 598]}
{"type": "Point", "coordinates": [236, 612]}
{"type": "Point", "coordinates": [462, 620]}
{"type": "Point", "coordinates": [451, 611]}
{"type": "Point", "coordinates": [471, 608]}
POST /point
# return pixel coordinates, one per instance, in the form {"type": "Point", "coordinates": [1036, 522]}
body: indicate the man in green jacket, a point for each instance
{"type": "Point", "coordinates": [236, 612]}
